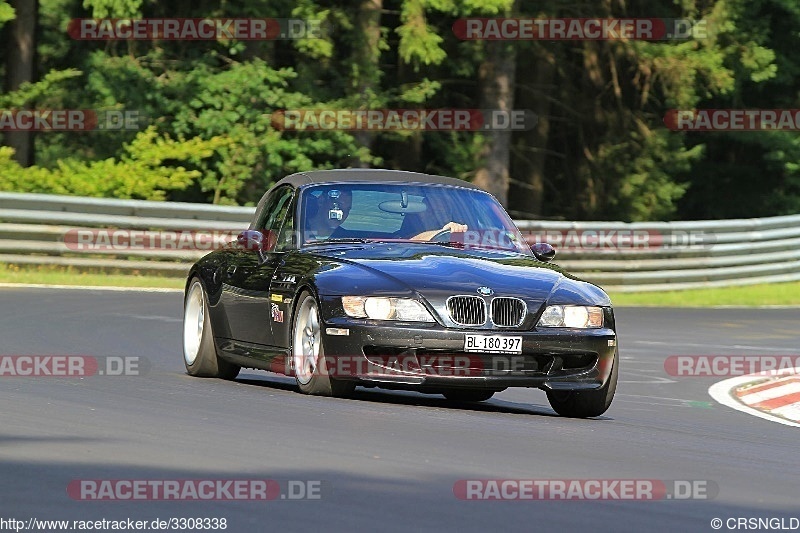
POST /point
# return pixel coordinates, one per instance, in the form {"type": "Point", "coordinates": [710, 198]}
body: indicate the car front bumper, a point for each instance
{"type": "Point", "coordinates": [430, 356]}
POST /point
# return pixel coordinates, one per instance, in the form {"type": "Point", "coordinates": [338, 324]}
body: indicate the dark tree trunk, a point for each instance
{"type": "Point", "coordinates": [535, 91]}
{"type": "Point", "coordinates": [367, 61]}
{"type": "Point", "coordinates": [496, 84]}
{"type": "Point", "coordinates": [20, 64]}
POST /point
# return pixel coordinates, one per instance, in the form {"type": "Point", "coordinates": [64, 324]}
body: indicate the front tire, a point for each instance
{"type": "Point", "coordinates": [586, 403]}
{"type": "Point", "coordinates": [199, 353]}
{"type": "Point", "coordinates": [308, 353]}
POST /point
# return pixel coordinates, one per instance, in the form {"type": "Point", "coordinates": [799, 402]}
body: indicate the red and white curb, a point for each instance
{"type": "Point", "coordinates": [774, 398]}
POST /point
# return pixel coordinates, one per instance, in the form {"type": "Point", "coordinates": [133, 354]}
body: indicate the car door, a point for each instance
{"type": "Point", "coordinates": [245, 292]}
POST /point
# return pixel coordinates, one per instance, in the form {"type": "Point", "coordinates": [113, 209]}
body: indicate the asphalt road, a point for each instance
{"type": "Point", "coordinates": [386, 460]}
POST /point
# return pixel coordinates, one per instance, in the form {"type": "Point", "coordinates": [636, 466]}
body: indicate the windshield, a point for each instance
{"type": "Point", "coordinates": [363, 212]}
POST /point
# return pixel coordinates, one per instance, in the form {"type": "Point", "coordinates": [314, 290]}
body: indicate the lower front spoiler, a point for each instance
{"type": "Point", "coordinates": [433, 358]}
{"type": "Point", "coordinates": [590, 382]}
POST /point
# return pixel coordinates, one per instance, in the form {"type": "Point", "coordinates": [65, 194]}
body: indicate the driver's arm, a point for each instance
{"type": "Point", "coordinates": [454, 227]}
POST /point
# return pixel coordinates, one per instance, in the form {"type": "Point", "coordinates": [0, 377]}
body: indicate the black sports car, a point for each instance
{"type": "Point", "coordinates": [398, 280]}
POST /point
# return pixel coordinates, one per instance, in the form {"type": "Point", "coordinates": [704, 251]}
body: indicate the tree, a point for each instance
{"type": "Point", "coordinates": [496, 79]}
{"type": "Point", "coordinates": [749, 174]}
{"type": "Point", "coordinates": [366, 68]}
{"type": "Point", "coordinates": [20, 68]}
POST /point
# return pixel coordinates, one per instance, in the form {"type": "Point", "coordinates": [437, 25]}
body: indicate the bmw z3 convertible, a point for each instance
{"type": "Point", "coordinates": [382, 278]}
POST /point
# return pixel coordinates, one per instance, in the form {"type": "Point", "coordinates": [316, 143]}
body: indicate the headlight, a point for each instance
{"type": "Point", "coordinates": [380, 308]}
{"type": "Point", "coordinates": [572, 316]}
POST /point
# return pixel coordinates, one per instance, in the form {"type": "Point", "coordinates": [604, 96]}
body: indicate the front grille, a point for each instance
{"type": "Point", "coordinates": [467, 310]}
{"type": "Point", "coordinates": [508, 312]}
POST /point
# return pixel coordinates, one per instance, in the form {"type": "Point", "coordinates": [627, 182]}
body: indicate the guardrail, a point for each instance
{"type": "Point", "coordinates": [619, 256]}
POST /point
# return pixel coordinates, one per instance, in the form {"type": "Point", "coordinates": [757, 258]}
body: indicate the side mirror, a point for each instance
{"type": "Point", "coordinates": [255, 240]}
{"type": "Point", "coordinates": [543, 251]}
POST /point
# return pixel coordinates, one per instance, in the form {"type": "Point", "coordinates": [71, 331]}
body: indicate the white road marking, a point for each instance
{"type": "Point", "coordinates": [681, 400]}
{"type": "Point", "coordinates": [734, 346]}
{"type": "Point", "coordinates": [153, 317]}
{"type": "Point", "coordinates": [649, 379]}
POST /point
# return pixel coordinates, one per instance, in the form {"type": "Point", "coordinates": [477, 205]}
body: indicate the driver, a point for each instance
{"type": "Point", "coordinates": [333, 206]}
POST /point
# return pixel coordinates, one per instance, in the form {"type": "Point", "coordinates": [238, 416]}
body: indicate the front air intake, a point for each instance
{"type": "Point", "coordinates": [508, 312]}
{"type": "Point", "coordinates": [467, 310]}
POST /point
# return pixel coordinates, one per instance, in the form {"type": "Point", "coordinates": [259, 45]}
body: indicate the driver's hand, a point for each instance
{"type": "Point", "coordinates": [455, 227]}
{"type": "Point", "coordinates": [452, 227]}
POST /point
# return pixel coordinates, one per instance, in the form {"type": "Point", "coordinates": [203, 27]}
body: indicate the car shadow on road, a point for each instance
{"type": "Point", "coordinates": [404, 397]}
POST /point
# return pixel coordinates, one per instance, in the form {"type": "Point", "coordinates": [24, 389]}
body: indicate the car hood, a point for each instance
{"type": "Point", "coordinates": [436, 272]}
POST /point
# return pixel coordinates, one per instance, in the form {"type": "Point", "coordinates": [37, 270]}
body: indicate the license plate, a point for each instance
{"type": "Point", "coordinates": [492, 344]}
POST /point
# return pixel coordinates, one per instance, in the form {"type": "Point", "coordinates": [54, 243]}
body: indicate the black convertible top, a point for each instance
{"type": "Point", "coordinates": [350, 175]}
{"type": "Point", "coordinates": [354, 175]}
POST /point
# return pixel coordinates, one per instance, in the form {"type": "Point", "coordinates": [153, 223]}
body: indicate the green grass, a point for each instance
{"type": "Point", "coordinates": [747, 295]}
{"type": "Point", "coordinates": [54, 275]}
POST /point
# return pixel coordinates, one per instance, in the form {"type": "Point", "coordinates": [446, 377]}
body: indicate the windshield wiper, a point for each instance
{"type": "Point", "coordinates": [462, 245]}
{"type": "Point", "coordinates": [449, 244]}
{"type": "Point", "coordinates": [344, 240]}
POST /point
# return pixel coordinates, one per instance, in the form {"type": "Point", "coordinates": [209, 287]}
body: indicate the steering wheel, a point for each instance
{"type": "Point", "coordinates": [442, 235]}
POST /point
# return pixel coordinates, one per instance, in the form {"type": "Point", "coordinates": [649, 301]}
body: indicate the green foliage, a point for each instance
{"type": "Point", "coordinates": [418, 43]}
{"type": "Point", "coordinates": [321, 47]}
{"type": "Point", "coordinates": [149, 168]}
{"type": "Point", "coordinates": [645, 189]}
{"type": "Point", "coordinates": [419, 93]}
{"type": "Point", "coordinates": [114, 8]}
{"type": "Point", "coordinates": [6, 12]}
{"type": "Point", "coordinates": [239, 102]}
{"type": "Point", "coordinates": [750, 174]}
{"type": "Point", "coordinates": [37, 91]}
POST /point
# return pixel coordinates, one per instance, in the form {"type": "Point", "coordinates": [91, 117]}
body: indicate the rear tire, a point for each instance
{"type": "Point", "coordinates": [199, 353]}
{"type": "Point", "coordinates": [586, 403]}
{"type": "Point", "coordinates": [308, 353]}
{"type": "Point", "coordinates": [468, 395]}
